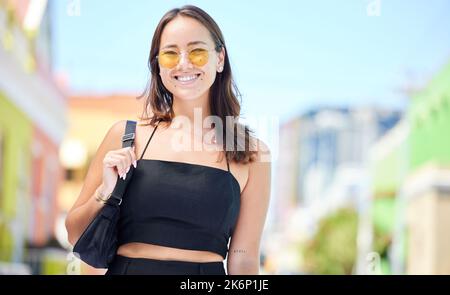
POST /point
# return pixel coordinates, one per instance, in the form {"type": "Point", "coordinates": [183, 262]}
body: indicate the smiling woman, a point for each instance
{"type": "Point", "coordinates": [181, 208]}
{"type": "Point", "coordinates": [188, 61]}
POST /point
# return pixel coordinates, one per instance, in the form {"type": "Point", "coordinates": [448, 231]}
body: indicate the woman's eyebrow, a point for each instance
{"type": "Point", "coordinates": [189, 44]}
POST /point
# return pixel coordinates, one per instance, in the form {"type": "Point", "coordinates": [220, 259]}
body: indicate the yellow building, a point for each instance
{"type": "Point", "coordinates": [32, 125]}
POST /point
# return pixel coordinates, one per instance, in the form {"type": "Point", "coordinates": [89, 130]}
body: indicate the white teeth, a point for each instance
{"type": "Point", "coordinates": [186, 78]}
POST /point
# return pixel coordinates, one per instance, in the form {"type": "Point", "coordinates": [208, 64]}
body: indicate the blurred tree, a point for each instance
{"type": "Point", "coordinates": [332, 250]}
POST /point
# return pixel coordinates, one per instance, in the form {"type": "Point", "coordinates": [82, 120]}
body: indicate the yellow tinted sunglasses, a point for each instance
{"type": "Point", "coordinates": [169, 58]}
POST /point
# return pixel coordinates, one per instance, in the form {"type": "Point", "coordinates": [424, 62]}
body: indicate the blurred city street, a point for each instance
{"type": "Point", "coordinates": [353, 100]}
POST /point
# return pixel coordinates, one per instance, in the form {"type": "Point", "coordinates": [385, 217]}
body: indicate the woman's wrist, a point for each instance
{"type": "Point", "coordinates": [102, 194]}
{"type": "Point", "coordinates": [105, 190]}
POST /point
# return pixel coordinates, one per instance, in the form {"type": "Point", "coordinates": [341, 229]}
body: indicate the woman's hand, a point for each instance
{"type": "Point", "coordinates": [109, 162]}
{"type": "Point", "coordinates": [117, 163]}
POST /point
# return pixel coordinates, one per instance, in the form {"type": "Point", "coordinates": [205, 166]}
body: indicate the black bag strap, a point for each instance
{"type": "Point", "coordinates": [130, 134]}
{"type": "Point", "coordinates": [121, 185]}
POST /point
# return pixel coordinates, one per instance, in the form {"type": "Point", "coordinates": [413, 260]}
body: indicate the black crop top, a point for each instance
{"type": "Point", "coordinates": [180, 205]}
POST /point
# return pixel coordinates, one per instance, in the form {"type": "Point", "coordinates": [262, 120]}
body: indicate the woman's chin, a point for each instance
{"type": "Point", "coordinates": [187, 95]}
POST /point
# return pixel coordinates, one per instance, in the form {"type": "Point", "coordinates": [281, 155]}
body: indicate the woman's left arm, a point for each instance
{"type": "Point", "coordinates": [244, 252]}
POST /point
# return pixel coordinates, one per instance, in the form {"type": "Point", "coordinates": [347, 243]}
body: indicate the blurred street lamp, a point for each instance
{"type": "Point", "coordinates": [73, 154]}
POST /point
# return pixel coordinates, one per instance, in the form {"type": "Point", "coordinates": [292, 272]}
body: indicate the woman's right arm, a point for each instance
{"type": "Point", "coordinates": [109, 162]}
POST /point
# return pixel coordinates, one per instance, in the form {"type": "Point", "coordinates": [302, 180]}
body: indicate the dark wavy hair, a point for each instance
{"type": "Point", "coordinates": [223, 93]}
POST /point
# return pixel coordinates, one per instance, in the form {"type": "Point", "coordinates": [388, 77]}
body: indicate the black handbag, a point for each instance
{"type": "Point", "coordinates": [97, 246]}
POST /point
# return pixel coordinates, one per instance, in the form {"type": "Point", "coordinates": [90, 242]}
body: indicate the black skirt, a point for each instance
{"type": "Point", "coordinates": [122, 265]}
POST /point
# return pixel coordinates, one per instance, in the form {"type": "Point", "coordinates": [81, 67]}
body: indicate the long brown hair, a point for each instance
{"type": "Point", "coordinates": [223, 93]}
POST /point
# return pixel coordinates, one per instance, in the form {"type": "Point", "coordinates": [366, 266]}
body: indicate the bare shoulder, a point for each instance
{"type": "Point", "coordinates": [111, 141]}
{"type": "Point", "coordinates": [113, 138]}
{"type": "Point", "coordinates": [262, 151]}
{"type": "Point", "coordinates": [258, 169]}
{"type": "Point", "coordinates": [118, 128]}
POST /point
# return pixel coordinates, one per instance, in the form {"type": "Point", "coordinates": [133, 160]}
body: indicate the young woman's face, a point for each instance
{"type": "Point", "coordinates": [186, 69]}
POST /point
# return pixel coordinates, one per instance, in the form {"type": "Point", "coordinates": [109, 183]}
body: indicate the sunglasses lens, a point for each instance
{"type": "Point", "coordinates": [168, 59]}
{"type": "Point", "coordinates": [198, 57]}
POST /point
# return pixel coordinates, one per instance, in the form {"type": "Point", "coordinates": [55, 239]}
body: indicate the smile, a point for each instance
{"type": "Point", "coordinates": [187, 79]}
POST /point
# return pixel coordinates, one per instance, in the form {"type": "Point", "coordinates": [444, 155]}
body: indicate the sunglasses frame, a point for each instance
{"type": "Point", "coordinates": [184, 52]}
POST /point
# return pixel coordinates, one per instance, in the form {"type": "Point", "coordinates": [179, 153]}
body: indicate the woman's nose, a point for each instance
{"type": "Point", "coordinates": [184, 61]}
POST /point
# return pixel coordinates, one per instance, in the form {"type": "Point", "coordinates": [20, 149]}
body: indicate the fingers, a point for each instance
{"type": "Point", "coordinates": [125, 159]}
{"type": "Point", "coordinates": [121, 159]}
{"type": "Point", "coordinates": [119, 162]}
{"type": "Point", "coordinates": [132, 153]}
{"type": "Point", "coordinates": [130, 158]}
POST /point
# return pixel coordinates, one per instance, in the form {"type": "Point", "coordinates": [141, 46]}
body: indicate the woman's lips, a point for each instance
{"type": "Point", "coordinates": [186, 79]}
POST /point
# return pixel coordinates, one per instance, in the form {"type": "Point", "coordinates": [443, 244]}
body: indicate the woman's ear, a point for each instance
{"type": "Point", "coordinates": [221, 61]}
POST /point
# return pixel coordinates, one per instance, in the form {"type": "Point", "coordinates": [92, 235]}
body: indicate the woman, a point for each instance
{"type": "Point", "coordinates": [183, 205]}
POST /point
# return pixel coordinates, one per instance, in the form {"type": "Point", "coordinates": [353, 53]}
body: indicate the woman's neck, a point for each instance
{"type": "Point", "coordinates": [194, 110]}
{"type": "Point", "coordinates": [194, 115]}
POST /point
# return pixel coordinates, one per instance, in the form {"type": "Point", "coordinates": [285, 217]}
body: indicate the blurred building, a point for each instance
{"type": "Point", "coordinates": [32, 125]}
{"type": "Point", "coordinates": [333, 146]}
{"type": "Point", "coordinates": [411, 185]}
{"type": "Point", "coordinates": [324, 163]}
{"type": "Point", "coordinates": [334, 143]}
{"type": "Point", "coordinates": [286, 184]}
{"type": "Point", "coordinates": [427, 190]}
{"type": "Point", "coordinates": [389, 166]}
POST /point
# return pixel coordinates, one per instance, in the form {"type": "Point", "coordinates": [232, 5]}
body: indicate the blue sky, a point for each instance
{"type": "Point", "coordinates": [287, 56]}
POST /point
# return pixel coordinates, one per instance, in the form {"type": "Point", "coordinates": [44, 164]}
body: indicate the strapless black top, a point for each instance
{"type": "Point", "coordinates": [180, 205]}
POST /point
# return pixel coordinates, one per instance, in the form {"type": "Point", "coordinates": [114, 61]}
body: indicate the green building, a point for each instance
{"type": "Point", "coordinates": [410, 168]}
